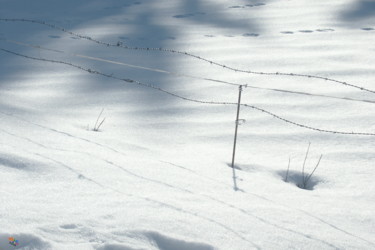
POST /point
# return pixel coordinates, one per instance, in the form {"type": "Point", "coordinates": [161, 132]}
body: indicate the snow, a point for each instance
{"type": "Point", "coordinates": [157, 174]}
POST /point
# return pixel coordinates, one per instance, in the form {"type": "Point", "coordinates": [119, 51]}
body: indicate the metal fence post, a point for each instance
{"type": "Point", "coordinates": [235, 138]}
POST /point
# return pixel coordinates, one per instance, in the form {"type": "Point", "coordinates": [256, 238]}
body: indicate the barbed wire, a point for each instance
{"type": "Point", "coordinates": [131, 81]}
{"type": "Point", "coordinates": [120, 63]}
{"type": "Point", "coordinates": [121, 45]}
{"type": "Point", "coordinates": [184, 75]}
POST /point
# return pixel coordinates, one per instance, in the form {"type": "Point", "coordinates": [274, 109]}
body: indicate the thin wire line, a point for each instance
{"type": "Point", "coordinates": [187, 98]}
{"type": "Point", "coordinates": [185, 75]}
{"type": "Point", "coordinates": [120, 45]}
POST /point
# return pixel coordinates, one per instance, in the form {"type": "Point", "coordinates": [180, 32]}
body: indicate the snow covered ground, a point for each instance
{"type": "Point", "coordinates": [156, 175]}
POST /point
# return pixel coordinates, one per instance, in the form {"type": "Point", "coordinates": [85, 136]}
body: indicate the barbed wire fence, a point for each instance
{"type": "Point", "coordinates": [183, 74]}
{"type": "Point", "coordinates": [148, 85]}
{"type": "Point", "coordinates": [123, 46]}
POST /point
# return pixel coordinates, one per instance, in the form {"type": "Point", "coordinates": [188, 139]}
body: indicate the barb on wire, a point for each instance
{"type": "Point", "coordinates": [305, 126]}
{"type": "Point", "coordinates": [184, 75]}
{"type": "Point", "coordinates": [127, 80]}
{"type": "Point", "coordinates": [120, 45]}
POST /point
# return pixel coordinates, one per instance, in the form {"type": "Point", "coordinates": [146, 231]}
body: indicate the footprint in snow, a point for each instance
{"type": "Point", "coordinates": [236, 7]}
{"type": "Point", "coordinates": [368, 29]}
{"type": "Point", "coordinates": [306, 31]}
{"type": "Point", "coordinates": [183, 16]}
{"type": "Point", "coordinates": [325, 30]}
{"type": "Point", "coordinates": [189, 15]}
{"type": "Point", "coordinates": [287, 32]}
{"type": "Point", "coordinates": [51, 36]}
{"type": "Point", "coordinates": [250, 35]}
{"type": "Point", "coordinates": [255, 5]}
{"type": "Point", "coordinates": [168, 38]}
{"type": "Point", "coordinates": [68, 226]}
{"type": "Point", "coordinates": [82, 177]}
{"type": "Point", "coordinates": [246, 6]}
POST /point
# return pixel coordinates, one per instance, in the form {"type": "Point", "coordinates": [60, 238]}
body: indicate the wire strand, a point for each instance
{"type": "Point", "coordinates": [120, 45]}
{"type": "Point", "coordinates": [127, 80]}
{"type": "Point", "coordinates": [185, 75]}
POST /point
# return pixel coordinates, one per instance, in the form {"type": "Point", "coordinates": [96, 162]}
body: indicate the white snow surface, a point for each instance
{"type": "Point", "coordinates": [156, 175]}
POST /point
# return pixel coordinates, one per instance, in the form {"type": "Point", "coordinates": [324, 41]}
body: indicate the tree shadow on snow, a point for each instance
{"type": "Point", "coordinates": [134, 23]}
{"type": "Point", "coordinates": [360, 10]}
